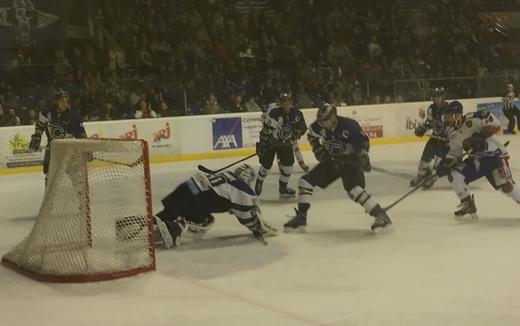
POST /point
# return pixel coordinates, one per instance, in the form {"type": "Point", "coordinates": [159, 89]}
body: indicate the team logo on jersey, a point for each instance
{"type": "Point", "coordinates": [227, 133]}
{"type": "Point", "coordinates": [56, 131]}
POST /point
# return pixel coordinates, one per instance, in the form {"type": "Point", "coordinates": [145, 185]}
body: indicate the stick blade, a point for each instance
{"type": "Point", "coordinates": [205, 169]}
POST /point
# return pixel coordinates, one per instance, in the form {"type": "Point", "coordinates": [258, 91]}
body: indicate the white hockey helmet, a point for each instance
{"type": "Point", "coordinates": [246, 173]}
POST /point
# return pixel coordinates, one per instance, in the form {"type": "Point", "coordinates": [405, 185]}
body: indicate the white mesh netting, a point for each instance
{"type": "Point", "coordinates": [95, 222]}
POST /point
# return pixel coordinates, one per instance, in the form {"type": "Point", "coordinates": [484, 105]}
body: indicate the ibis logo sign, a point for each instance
{"type": "Point", "coordinates": [227, 133]}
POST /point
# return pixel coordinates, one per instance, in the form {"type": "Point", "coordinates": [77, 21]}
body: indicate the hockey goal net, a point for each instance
{"type": "Point", "coordinates": [95, 222]}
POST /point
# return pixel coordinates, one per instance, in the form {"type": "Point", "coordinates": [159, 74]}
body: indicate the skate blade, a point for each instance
{"type": "Point", "coordinates": [381, 229]}
{"type": "Point", "coordinates": [474, 216]}
{"type": "Point", "coordinates": [287, 196]}
{"type": "Point", "coordinates": [300, 229]}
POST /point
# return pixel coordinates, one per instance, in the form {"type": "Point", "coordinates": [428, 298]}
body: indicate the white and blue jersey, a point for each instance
{"type": "Point", "coordinates": [236, 196]}
{"type": "Point", "coordinates": [484, 123]}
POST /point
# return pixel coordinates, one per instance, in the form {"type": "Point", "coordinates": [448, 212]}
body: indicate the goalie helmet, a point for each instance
{"type": "Point", "coordinates": [246, 173]}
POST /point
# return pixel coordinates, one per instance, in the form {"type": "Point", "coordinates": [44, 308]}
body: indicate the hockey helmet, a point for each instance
{"type": "Point", "coordinates": [439, 91]}
{"type": "Point", "coordinates": [284, 97]}
{"type": "Point", "coordinates": [246, 173]}
{"type": "Point", "coordinates": [453, 114]}
{"type": "Point", "coordinates": [325, 111]}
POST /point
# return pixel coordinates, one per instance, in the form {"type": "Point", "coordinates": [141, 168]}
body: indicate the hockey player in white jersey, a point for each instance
{"type": "Point", "coordinates": [189, 206]}
{"type": "Point", "coordinates": [473, 134]}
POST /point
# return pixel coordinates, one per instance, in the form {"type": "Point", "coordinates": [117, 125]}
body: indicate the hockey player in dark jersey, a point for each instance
{"type": "Point", "coordinates": [436, 146]}
{"type": "Point", "coordinates": [282, 126]}
{"type": "Point", "coordinates": [57, 122]}
{"type": "Point", "coordinates": [341, 147]}
{"type": "Point", "coordinates": [510, 109]}
{"type": "Point", "coordinates": [188, 208]}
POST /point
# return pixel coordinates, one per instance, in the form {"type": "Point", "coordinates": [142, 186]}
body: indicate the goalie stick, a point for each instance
{"type": "Point", "coordinates": [209, 171]}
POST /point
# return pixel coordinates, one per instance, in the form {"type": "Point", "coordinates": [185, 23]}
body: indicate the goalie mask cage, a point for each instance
{"type": "Point", "coordinates": [95, 222]}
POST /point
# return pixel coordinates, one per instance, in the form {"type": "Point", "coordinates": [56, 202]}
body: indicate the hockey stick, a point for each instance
{"type": "Point", "coordinates": [411, 191]}
{"type": "Point", "coordinates": [420, 184]}
{"type": "Point", "coordinates": [208, 171]}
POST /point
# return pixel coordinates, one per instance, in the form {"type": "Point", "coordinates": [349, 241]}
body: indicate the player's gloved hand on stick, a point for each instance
{"type": "Point", "coordinates": [321, 154]}
{"type": "Point", "coordinates": [444, 168]}
{"type": "Point", "coordinates": [36, 140]}
{"type": "Point", "coordinates": [365, 161]}
{"type": "Point", "coordinates": [475, 143]}
{"type": "Point", "coordinates": [261, 147]}
{"type": "Point", "coordinates": [295, 135]}
{"type": "Point", "coordinates": [420, 131]}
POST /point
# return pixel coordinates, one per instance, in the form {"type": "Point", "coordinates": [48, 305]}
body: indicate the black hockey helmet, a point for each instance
{"type": "Point", "coordinates": [325, 111]}
{"type": "Point", "coordinates": [454, 107]}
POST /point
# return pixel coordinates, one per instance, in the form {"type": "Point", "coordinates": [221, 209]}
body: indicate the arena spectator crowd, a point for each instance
{"type": "Point", "coordinates": [173, 58]}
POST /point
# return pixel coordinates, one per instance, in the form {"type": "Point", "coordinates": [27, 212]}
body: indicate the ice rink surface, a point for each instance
{"type": "Point", "coordinates": [430, 269]}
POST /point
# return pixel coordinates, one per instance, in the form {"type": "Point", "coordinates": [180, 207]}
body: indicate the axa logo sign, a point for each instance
{"type": "Point", "coordinates": [227, 133]}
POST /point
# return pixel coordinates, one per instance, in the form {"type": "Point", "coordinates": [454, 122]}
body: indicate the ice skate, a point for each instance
{"type": "Point", "coordinates": [296, 224]}
{"type": "Point", "coordinates": [381, 219]}
{"type": "Point", "coordinates": [467, 207]}
{"type": "Point", "coordinates": [170, 231]}
{"type": "Point", "coordinates": [286, 192]}
{"type": "Point", "coordinates": [420, 178]}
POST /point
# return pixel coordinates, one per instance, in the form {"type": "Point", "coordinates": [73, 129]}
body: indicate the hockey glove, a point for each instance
{"type": "Point", "coordinates": [321, 154]}
{"type": "Point", "coordinates": [36, 140]}
{"type": "Point", "coordinates": [444, 168]}
{"type": "Point", "coordinates": [421, 130]}
{"type": "Point", "coordinates": [474, 144]}
{"type": "Point", "coordinates": [261, 148]}
{"type": "Point", "coordinates": [365, 161]}
{"type": "Point", "coordinates": [296, 134]}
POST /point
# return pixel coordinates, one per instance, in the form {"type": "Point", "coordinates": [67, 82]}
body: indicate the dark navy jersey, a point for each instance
{"type": "Point", "coordinates": [348, 136]}
{"type": "Point", "coordinates": [67, 124]}
{"type": "Point", "coordinates": [283, 126]}
{"type": "Point", "coordinates": [434, 119]}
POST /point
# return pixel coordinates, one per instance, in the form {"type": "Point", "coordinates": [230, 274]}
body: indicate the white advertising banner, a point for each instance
{"type": "Point", "coordinates": [218, 134]}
